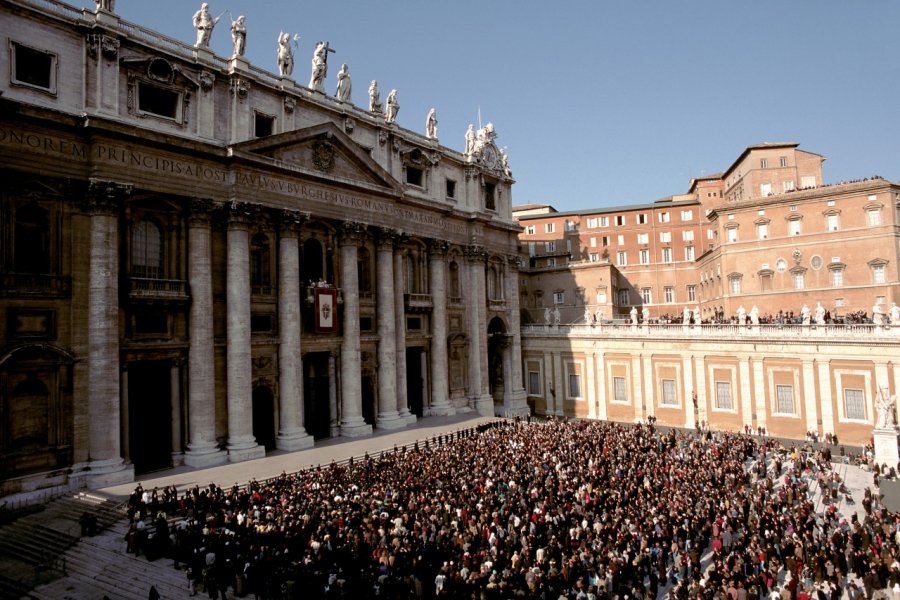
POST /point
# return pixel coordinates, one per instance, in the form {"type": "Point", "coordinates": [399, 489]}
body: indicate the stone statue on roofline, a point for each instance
{"type": "Point", "coordinates": [285, 55]}
{"type": "Point", "coordinates": [431, 125]}
{"type": "Point", "coordinates": [344, 84]}
{"type": "Point", "coordinates": [820, 314]}
{"type": "Point", "coordinates": [204, 23]}
{"type": "Point", "coordinates": [375, 105]}
{"type": "Point", "coordinates": [393, 107]}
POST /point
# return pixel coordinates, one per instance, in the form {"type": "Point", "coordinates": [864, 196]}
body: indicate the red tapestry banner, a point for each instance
{"type": "Point", "coordinates": [326, 310]}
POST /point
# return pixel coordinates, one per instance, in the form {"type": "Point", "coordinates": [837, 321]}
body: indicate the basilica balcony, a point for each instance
{"type": "Point", "coordinates": [366, 299]}
{"type": "Point", "coordinates": [622, 329]}
{"type": "Point", "coordinates": [497, 304]}
{"type": "Point", "coordinates": [417, 302]}
{"type": "Point", "coordinates": [144, 288]}
{"type": "Point", "coordinates": [31, 284]}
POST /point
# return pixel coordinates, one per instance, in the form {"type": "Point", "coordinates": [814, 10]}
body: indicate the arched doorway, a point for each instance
{"type": "Point", "coordinates": [497, 345]}
{"type": "Point", "coordinates": [150, 415]}
{"type": "Point", "coordinates": [264, 417]}
{"type": "Point", "coordinates": [415, 384]}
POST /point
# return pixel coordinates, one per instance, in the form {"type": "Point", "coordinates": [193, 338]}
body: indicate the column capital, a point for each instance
{"type": "Point", "coordinates": [290, 222]}
{"type": "Point", "coordinates": [103, 197]}
{"type": "Point", "coordinates": [475, 253]}
{"type": "Point", "coordinates": [438, 248]}
{"type": "Point", "coordinates": [352, 232]}
{"type": "Point", "coordinates": [200, 211]}
{"type": "Point", "coordinates": [514, 261]}
{"type": "Point", "coordinates": [388, 236]}
{"type": "Point", "coordinates": [240, 215]}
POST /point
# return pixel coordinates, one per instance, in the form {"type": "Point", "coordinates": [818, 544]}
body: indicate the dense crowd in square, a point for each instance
{"type": "Point", "coordinates": [551, 510]}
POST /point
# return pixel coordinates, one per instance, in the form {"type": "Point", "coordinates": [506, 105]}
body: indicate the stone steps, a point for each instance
{"type": "Point", "coordinates": [99, 565]}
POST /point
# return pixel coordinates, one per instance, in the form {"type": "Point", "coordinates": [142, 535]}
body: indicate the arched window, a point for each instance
{"type": "Point", "coordinates": [313, 260]}
{"type": "Point", "coordinates": [364, 270]}
{"type": "Point", "coordinates": [455, 289]}
{"type": "Point", "coordinates": [32, 241]}
{"type": "Point", "coordinates": [260, 270]}
{"type": "Point", "coordinates": [147, 251]}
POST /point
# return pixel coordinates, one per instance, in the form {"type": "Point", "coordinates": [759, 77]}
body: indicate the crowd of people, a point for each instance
{"type": "Point", "coordinates": [551, 510]}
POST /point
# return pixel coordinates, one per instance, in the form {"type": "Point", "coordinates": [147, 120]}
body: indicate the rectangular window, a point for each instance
{"type": "Point", "coordinates": [263, 125]}
{"type": "Point", "coordinates": [414, 176]}
{"type": "Point", "coordinates": [646, 295]}
{"type": "Point", "coordinates": [534, 383]}
{"type": "Point", "coordinates": [688, 253]}
{"type": "Point", "coordinates": [550, 246]}
{"type": "Point", "coordinates": [451, 188]}
{"type": "Point", "coordinates": [788, 185]}
{"type": "Point", "coordinates": [735, 285]}
{"type": "Point", "coordinates": [665, 237]}
{"type": "Point", "coordinates": [569, 246]}
{"type": "Point", "coordinates": [667, 255]}
{"type": "Point", "coordinates": [687, 215]}
{"type": "Point", "coordinates": [33, 68]}
{"type": "Point", "coordinates": [621, 240]}
{"type": "Point", "coordinates": [643, 238]}
{"type": "Point", "coordinates": [594, 257]}
{"type": "Point", "coordinates": [623, 298]}
{"type": "Point", "coordinates": [645, 256]}
{"type": "Point", "coordinates": [605, 240]}
{"type": "Point", "coordinates": [784, 398]}
{"type": "Point", "coordinates": [604, 221]}
{"type": "Point", "coordinates": [642, 219]}
{"type": "Point", "coordinates": [158, 101]}
{"type": "Point", "coordinates": [687, 235]}
{"type": "Point", "coordinates": [878, 274]}
{"type": "Point", "coordinates": [549, 227]}
{"type": "Point", "coordinates": [664, 217]}
{"type": "Point", "coordinates": [669, 293]}
{"type": "Point", "coordinates": [710, 234]}
{"type": "Point", "coordinates": [559, 297]}
{"type": "Point", "coordinates": [619, 394]}
{"type": "Point", "coordinates": [838, 302]}
{"type": "Point", "coordinates": [874, 217]}
{"type": "Point", "coordinates": [854, 404]}
{"type": "Point", "coordinates": [621, 258]}
{"type": "Point", "coordinates": [593, 242]}
{"type": "Point", "coordinates": [531, 249]}
{"type": "Point", "coordinates": [723, 395]}
{"type": "Point", "coordinates": [794, 227]}
{"type": "Point", "coordinates": [762, 231]}
{"type": "Point", "coordinates": [574, 385]}
{"type": "Point", "coordinates": [799, 280]}
{"type": "Point", "coordinates": [732, 235]}
{"type": "Point", "coordinates": [551, 262]}
{"type": "Point", "coordinates": [764, 163]}
{"type": "Point", "coordinates": [783, 161]}
{"type": "Point", "coordinates": [692, 293]}
{"type": "Point", "coordinates": [668, 393]}
{"type": "Point", "coordinates": [808, 181]}
{"type": "Point", "coordinates": [530, 230]}
{"type": "Point", "coordinates": [593, 223]}
{"type": "Point", "coordinates": [837, 278]}
{"type": "Point", "coordinates": [832, 222]}
{"type": "Point", "coordinates": [765, 189]}
{"type": "Point", "coordinates": [620, 220]}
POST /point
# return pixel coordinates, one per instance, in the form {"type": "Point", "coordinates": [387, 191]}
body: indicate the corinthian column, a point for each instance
{"type": "Point", "coordinates": [202, 449]}
{"type": "Point", "coordinates": [352, 423]}
{"type": "Point", "coordinates": [440, 372]}
{"type": "Point", "coordinates": [241, 443]}
{"type": "Point", "coordinates": [480, 400]}
{"type": "Point", "coordinates": [518, 399]}
{"type": "Point", "coordinates": [400, 331]}
{"type": "Point", "coordinates": [106, 463]}
{"type": "Point", "coordinates": [291, 434]}
{"type": "Point", "coordinates": [388, 416]}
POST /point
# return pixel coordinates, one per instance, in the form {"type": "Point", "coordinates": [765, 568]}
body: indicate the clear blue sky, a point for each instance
{"type": "Point", "coordinates": [603, 103]}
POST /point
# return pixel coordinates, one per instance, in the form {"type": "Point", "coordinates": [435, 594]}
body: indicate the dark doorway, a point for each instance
{"type": "Point", "coordinates": [149, 415]}
{"type": "Point", "coordinates": [497, 346]}
{"type": "Point", "coordinates": [316, 401]}
{"type": "Point", "coordinates": [368, 398]}
{"type": "Point", "coordinates": [264, 417]}
{"type": "Point", "coordinates": [415, 394]}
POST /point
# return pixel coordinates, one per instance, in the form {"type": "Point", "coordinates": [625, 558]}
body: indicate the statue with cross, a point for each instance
{"type": "Point", "coordinates": [319, 67]}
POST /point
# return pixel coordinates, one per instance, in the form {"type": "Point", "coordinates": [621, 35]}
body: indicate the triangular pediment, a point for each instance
{"type": "Point", "coordinates": [322, 151]}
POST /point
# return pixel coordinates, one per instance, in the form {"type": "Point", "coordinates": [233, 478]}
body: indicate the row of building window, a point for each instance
{"type": "Point", "coordinates": [617, 220]}
{"type": "Point", "coordinates": [854, 399]}
{"type": "Point", "coordinates": [832, 223]}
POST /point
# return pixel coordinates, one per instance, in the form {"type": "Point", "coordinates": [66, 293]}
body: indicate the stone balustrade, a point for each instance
{"type": "Point", "coordinates": [856, 331]}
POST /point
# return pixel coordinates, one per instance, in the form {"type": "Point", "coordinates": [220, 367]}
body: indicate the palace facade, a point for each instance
{"type": "Point", "coordinates": [767, 233]}
{"type": "Point", "coordinates": [203, 261]}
